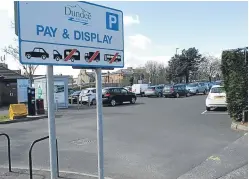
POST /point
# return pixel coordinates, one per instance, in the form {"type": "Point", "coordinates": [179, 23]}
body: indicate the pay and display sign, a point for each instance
{"type": "Point", "coordinates": [70, 33]}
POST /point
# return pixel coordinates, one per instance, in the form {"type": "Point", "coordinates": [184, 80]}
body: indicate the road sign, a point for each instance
{"type": "Point", "coordinates": [70, 34]}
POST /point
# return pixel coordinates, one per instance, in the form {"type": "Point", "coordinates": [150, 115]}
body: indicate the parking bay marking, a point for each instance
{"type": "Point", "coordinates": [210, 112]}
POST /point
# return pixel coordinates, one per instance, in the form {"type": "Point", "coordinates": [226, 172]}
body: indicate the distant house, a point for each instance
{"type": "Point", "coordinates": [8, 85]}
{"type": "Point", "coordinates": [117, 76]}
{"type": "Point", "coordinates": [85, 77]}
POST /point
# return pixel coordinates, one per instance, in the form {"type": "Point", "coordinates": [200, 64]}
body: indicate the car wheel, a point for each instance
{"type": "Point", "coordinates": [188, 94]}
{"type": "Point", "coordinates": [72, 59]}
{"type": "Point", "coordinates": [133, 100]}
{"type": "Point", "coordinates": [57, 58]}
{"type": "Point", "coordinates": [113, 102]}
{"type": "Point", "coordinates": [177, 95]}
{"type": "Point", "coordinates": [207, 108]}
{"type": "Point", "coordinates": [93, 102]}
{"type": "Point", "coordinates": [43, 57]}
{"type": "Point", "coordinates": [165, 96]}
{"type": "Point", "coordinates": [205, 92]}
{"type": "Point", "coordinates": [28, 56]}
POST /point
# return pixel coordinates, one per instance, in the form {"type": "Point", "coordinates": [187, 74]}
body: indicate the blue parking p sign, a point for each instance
{"type": "Point", "coordinates": [112, 21]}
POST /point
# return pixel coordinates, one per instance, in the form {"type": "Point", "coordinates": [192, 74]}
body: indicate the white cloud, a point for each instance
{"type": "Point", "coordinates": [139, 41]}
{"type": "Point", "coordinates": [130, 20]}
{"type": "Point", "coordinates": [139, 49]}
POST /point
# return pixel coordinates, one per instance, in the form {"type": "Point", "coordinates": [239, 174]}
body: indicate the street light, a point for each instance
{"type": "Point", "coordinates": [176, 50]}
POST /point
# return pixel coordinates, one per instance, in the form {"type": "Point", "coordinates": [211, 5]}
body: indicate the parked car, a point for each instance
{"type": "Point", "coordinates": [216, 97]}
{"type": "Point", "coordinates": [88, 94]}
{"type": "Point", "coordinates": [139, 89]}
{"type": "Point", "coordinates": [176, 90]}
{"type": "Point", "coordinates": [195, 88]}
{"type": "Point", "coordinates": [129, 88]}
{"type": "Point", "coordinates": [74, 96]}
{"type": "Point", "coordinates": [154, 91]}
{"type": "Point", "coordinates": [115, 95]}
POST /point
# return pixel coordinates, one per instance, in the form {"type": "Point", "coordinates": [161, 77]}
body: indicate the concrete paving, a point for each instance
{"type": "Point", "coordinates": [233, 157]}
{"type": "Point", "coordinates": [160, 138]}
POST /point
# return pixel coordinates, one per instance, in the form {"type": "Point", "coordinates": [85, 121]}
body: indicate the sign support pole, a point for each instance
{"type": "Point", "coordinates": [99, 124]}
{"type": "Point", "coordinates": [51, 122]}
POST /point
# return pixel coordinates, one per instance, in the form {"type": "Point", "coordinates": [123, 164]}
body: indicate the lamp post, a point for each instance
{"type": "Point", "coordinates": [176, 50]}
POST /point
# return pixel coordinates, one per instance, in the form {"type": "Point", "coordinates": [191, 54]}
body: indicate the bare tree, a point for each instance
{"type": "Point", "coordinates": [29, 70]}
{"type": "Point", "coordinates": [210, 68]}
{"type": "Point", "coordinates": [151, 69]}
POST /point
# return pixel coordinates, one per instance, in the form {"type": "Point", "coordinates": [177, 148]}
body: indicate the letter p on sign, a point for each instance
{"type": "Point", "coordinates": [112, 21]}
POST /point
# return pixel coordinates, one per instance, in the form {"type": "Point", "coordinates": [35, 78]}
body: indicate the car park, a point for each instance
{"type": "Point", "coordinates": [139, 89]}
{"type": "Point", "coordinates": [154, 91]}
{"type": "Point", "coordinates": [195, 88]}
{"type": "Point", "coordinates": [216, 97]}
{"type": "Point", "coordinates": [73, 97]}
{"type": "Point", "coordinates": [176, 90]}
{"type": "Point", "coordinates": [88, 95]}
{"type": "Point", "coordinates": [115, 95]}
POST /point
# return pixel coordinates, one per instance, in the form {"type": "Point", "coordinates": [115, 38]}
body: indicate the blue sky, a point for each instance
{"type": "Point", "coordinates": [153, 30]}
{"type": "Point", "coordinates": [208, 26]}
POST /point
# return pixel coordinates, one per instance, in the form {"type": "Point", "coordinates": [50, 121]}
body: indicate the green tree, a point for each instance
{"type": "Point", "coordinates": [188, 62]}
{"type": "Point", "coordinates": [234, 66]}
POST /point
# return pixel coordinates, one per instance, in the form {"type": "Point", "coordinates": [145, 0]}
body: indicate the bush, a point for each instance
{"type": "Point", "coordinates": [234, 66]}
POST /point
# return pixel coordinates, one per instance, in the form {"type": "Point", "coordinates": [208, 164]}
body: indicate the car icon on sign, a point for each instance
{"type": "Point", "coordinates": [37, 53]}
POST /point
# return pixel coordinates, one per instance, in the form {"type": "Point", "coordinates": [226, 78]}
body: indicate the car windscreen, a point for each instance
{"type": "Point", "coordinates": [167, 87]}
{"type": "Point", "coordinates": [85, 91]}
{"type": "Point", "coordinates": [218, 90]}
{"type": "Point", "coordinates": [192, 85]}
{"type": "Point", "coordinates": [76, 93]}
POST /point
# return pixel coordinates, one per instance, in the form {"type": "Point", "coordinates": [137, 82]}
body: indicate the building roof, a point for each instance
{"type": "Point", "coordinates": [8, 74]}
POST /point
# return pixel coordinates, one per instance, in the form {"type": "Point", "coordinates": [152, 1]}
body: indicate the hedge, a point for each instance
{"type": "Point", "coordinates": [234, 66]}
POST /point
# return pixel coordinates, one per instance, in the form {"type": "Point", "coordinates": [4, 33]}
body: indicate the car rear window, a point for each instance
{"type": "Point", "coordinates": [218, 90]}
{"type": "Point", "coordinates": [192, 85]}
{"type": "Point", "coordinates": [105, 91]}
{"type": "Point", "coordinates": [151, 87]}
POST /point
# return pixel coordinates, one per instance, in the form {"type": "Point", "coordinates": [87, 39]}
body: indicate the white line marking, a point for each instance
{"type": "Point", "coordinates": [217, 113]}
{"type": "Point", "coordinates": [62, 171]}
{"type": "Point", "coordinates": [204, 112]}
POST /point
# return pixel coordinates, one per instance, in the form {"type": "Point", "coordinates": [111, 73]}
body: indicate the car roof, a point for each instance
{"type": "Point", "coordinates": [215, 86]}
{"type": "Point", "coordinates": [89, 88]}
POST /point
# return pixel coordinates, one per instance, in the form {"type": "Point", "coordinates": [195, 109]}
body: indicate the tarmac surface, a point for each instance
{"type": "Point", "coordinates": [159, 138]}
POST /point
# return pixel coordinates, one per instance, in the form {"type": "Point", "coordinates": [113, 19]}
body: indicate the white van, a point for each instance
{"type": "Point", "coordinates": [139, 89]}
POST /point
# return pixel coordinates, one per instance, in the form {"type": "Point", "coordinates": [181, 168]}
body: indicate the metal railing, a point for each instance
{"type": "Point", "coordinates": [30, 156]}
{"type": "Point", "coordinates": [8, 139]}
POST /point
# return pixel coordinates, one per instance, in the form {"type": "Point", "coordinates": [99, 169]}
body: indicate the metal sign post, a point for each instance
{"type": "Point", "coordinates": [65, 38]}
{"type": "Point", "coordinates": [99, 124]}
{"type": "Point", "coordinates": [51, 121]}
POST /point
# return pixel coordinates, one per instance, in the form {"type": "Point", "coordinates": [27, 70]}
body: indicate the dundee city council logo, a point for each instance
{"type": "Point", "coordinates": [77, 14]}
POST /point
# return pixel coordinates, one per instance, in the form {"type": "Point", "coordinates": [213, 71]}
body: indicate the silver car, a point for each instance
{"type": "Point", "coordinates": [154, 91]}
{"type": "Point", "coordinates": [195, 88]}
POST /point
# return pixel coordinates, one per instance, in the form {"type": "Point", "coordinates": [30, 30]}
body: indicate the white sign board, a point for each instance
{"type": "Point", "coordinates": [22, 92]}
{"type": "Point", "coordinates": [70, 34]}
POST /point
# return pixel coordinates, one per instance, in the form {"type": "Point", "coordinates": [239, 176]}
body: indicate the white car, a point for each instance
{"type": "Point", "coordinates": [88, 94]}
{"type": "Point", "coordinates": [216, 97]}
